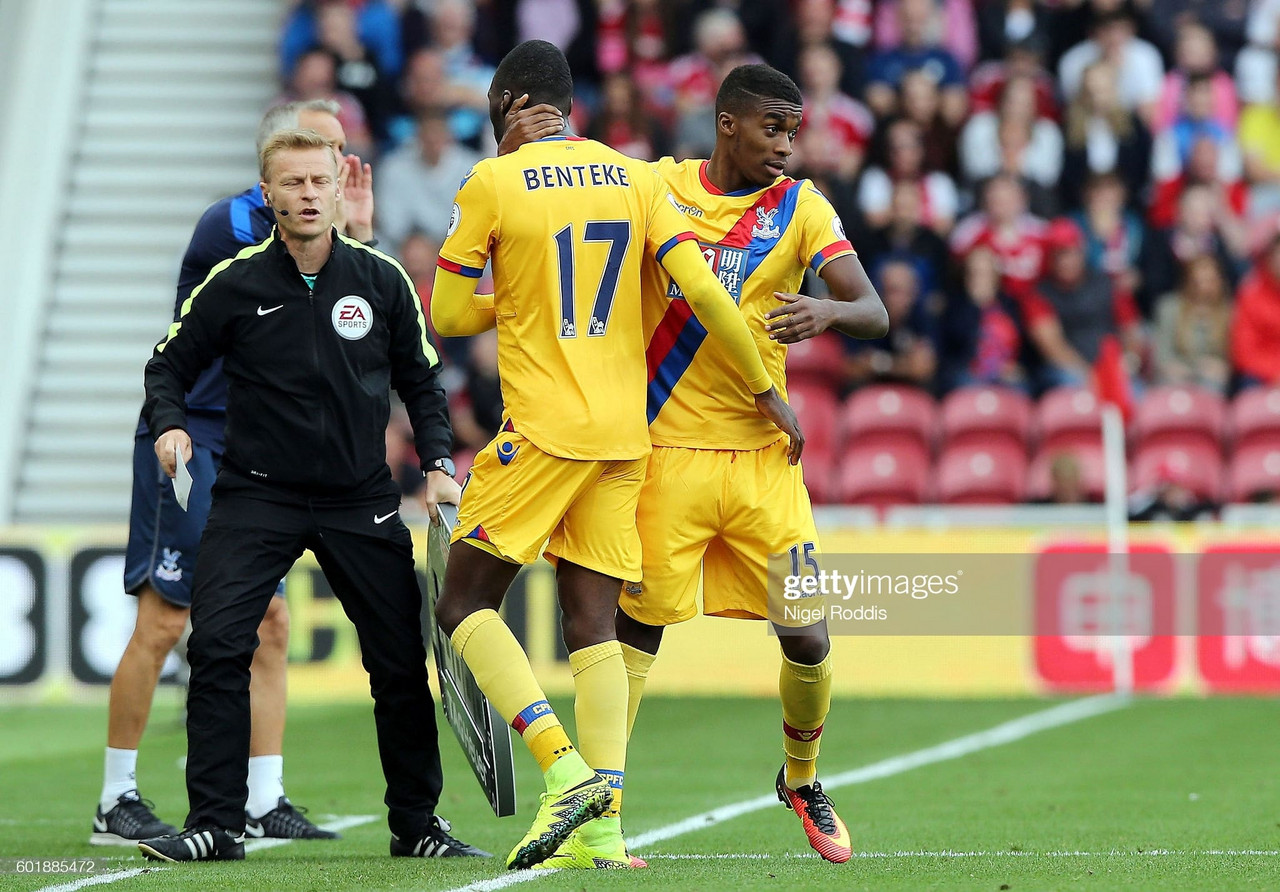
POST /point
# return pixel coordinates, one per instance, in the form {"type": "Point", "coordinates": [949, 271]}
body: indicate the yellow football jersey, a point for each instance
{"type": "Point", "coordinates": [567, 222]}
{"type": "Point", "coordinates": [757, 242]}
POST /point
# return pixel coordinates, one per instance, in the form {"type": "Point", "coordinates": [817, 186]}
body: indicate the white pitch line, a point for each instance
{"type": "Point", "coordinates": [337, 824]}
{"type": "Point", "coordinates": [998, 735]}
{"type": "Point", "coordinates": [1114, 853]}
{"type": "Point", "coordinates": [99, 879]}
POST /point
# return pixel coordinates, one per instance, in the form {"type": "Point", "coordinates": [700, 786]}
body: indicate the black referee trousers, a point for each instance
{"type": "Point", "coordinates": [254, 535]}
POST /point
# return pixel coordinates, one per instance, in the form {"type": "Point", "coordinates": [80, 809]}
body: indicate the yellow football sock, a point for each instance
{"type": "Point", "coordinates": [502, 670]}
{"type": "Point", "coordinates": [638, 664]}
{"type": "Point", "coordinates": [600, 680]}
{"type": "Point", "coordinates": [806, 699]}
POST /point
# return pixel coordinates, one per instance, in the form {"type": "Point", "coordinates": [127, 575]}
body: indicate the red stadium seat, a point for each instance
{"type": "Point", "coordinates": [1093, 475]}
{"type": "Point", "coordinates": [1178, 414]}
{"type": "Point", "coordinates": [817, 361]}
{"type": "Point", "coordinates": [819, 411]}
{"type": "Point", "coordinates": [889, 416]}
{"type": "Point", "coordinates": [982, 474]}
{"type": "Point", "coordinates": [1255, 416]}
{"type": "Point", "coordinates": [1068, 416]}
{"type": "Point", "coordinates": [1255, 471]}
{"type": "Point", "coordinates": [977, 414]}
{"type": "Point", "coordinates": [884, 475]}
{"type": "Point", "coordinates": [1191, 462]}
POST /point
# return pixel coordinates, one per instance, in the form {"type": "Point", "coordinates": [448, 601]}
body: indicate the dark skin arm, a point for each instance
{"type": "Point", "coordinates": [854, 307]}
{"type": "Point", "coordinates": [529, 124]}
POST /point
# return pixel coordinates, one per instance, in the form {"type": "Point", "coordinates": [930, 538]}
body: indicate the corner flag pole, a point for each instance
{"type": "Point", "coordinates": [1113, 392]}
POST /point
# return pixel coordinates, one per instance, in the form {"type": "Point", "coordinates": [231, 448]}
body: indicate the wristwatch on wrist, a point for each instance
{"type": "Point", "coordinates": [444, 464]}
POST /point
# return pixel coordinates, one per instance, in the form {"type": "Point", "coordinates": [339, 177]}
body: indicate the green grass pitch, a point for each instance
{"type": "Point", "coordinates": [1157, 794]}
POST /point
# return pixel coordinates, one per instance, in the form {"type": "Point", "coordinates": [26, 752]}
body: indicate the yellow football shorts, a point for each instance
{"type": "Point", "coordinates": [716, 516]}
{"type": "Point", "coordinates": [518, 497]}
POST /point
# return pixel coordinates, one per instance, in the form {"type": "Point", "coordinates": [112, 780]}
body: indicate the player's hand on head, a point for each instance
{"type": "Point", "coordinates": [529, 124]}
{"type": "Point", "coordinates": [165, 448]}
{"type": "Point", "coordinates": [772, 406]}
{"type": "Point", "coordinates": [439, 487]}
{"type": "Point", "coordinates": [799, 318]}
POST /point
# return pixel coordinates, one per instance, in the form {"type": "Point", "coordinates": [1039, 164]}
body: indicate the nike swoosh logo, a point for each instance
{"type": "Point", "coordinates": [262, 312]}
{"type": "Point", "coordinates": [377, 519]}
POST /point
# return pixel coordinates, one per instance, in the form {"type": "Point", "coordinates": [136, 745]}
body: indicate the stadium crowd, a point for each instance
{"type": "Point", "coordinates": [1022, 178]}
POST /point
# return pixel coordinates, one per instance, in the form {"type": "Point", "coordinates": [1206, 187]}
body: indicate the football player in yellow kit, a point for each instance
{"type": "Point", "coordinates": [567, 223]}
{"type": "Point", "coordinates": [720, 495]}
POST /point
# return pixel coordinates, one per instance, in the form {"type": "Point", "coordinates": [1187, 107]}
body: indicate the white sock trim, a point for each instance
{"type": "Point", "coordinates": [119, 776]}
{"type": "Point", "coordinates": [266, 784]}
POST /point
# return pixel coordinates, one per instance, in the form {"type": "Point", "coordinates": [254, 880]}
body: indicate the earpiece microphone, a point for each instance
{"type": "Point", "coordinates": [283, 212]}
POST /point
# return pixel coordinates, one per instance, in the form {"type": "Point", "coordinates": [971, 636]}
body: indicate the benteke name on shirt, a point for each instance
{"type": "Point", "coordinates": [574, 175]}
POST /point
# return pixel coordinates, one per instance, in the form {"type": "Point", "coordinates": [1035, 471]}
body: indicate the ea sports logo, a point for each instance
{"type": "Point", "coordinates": [352, 317]}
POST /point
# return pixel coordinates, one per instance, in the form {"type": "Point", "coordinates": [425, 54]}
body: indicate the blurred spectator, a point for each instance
{"type": "Point", "coordinates": [359, 71]}
{"type": "Point", "coordinates": [426, 86]}
{"type": "Point", "coordinates": [315, 77]}
{"type": "Point", "coordinates": [477, 412]}
{"type": "Point", "coordinates": [1004, 24]}
{"type": "Point", "coordinates": [377, 26]}
{"type": "Point", "coordinates": [1014, 139]}
{"type": "Point", "coordinates": [572, 25]}
{"type": "Point", "coordinates": [1255, 327]}
{"type": "Point", "coordinates": [1005, 227]}
{"type": "Point", "coordinates": [1169, 499]}
{"type": "Point", "coordinates": [905, 237]}
{"type": "Point", "coordinates": [833, 139]}
{"type": "Point", "coordinates": [1103, 137]}
{"type": "Point", "coordinates": [1195, 124]}
{"type": "Point", "coordinates": [1224, 20]}
{"type": "Point", "coordinates": [624, 123]}
{"type": "Point", "coordinates": [635, 37]}
{"type": "Point", "coordinates": [1259, 139]}
{"type": "Point", "coordinates": [1191, 325]}
{"type": "Point", "coordinates": [720, 44]}
{"type": "Point", "coordinates": [1073, 308]}
{"type": "Point", "coordinates": [1066, 481]}
{"type": "Point", "coordinates": [452, 31]}
{"type": "Point", "coordinates": [1197, 57]}
{"type": "Point", "coordinates": [922, 103]}
{"type": "Point", "coordinates": [919, 49]}
{"type": "Point", "coordinates": [982, 338]}
{"type": "Point", "coordinates": [907, 353]}
{"type": "Point", "coordinates": [1256, 68]}
{"type": "Point", "coordinates": [1202, 225]}
{"type": "Point", "coordinates": [1025, 59]}
{"type": "Point", "coordinates": [417, 182]}
{"type": "Point", "coordinates": [952, 24]}
{"type": "Point", "coordinates": [1204, 167]}
{"type": "Point", "coordinates": [1114, 235]}
{"type": "Point", "coordinates": [904, 146]}
{"type": "Point", "coordinates": [1139, 69]}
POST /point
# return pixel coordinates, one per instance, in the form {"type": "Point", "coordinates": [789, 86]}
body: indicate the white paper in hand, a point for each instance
{"type": "Point", "coordinates": [182, 479]}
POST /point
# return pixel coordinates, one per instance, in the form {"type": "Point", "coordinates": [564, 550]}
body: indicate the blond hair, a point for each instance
{"type": "Point", "coordinates": [291, 139]}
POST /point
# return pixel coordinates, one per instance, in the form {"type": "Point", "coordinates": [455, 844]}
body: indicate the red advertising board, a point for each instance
{"type": "Point", "coordinates": [1238, 617]}
{"type": "Point", "coordinates": [1077, 621]}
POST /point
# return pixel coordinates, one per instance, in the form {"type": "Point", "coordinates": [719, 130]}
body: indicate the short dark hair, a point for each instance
{"type": "Point", "coordinates": [538, 68]}
{"type": "Point", "coordinates": [746, 85]}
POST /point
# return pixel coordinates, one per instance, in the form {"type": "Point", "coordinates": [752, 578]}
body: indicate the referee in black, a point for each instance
{"type": "Point", "coordinates": [314, 329]}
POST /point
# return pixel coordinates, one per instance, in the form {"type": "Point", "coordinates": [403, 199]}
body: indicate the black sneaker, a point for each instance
{"type": "Point", "coordinates": [436, 843]}
{"type": "Point", "coordinates": [196, 844]}
{"type": "Point", "coordinates": [129, 820]}
{"type": "Point", "coordinates": [285, 821]}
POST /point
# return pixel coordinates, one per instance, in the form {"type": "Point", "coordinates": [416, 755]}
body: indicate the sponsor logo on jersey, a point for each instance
{"type": "Point", "coordinates": [507, 451]}
{"type": "Point", "coordinates": [687, 209]}
{"type": "Point", "coordinates": [352, 317]}
{"type": "Point", "coordinates": [765, 227]}
{"type": "Point", "coordinates": [729, 265]}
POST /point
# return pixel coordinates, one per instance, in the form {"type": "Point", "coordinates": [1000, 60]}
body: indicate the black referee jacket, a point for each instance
{"type": "Point", "coordinates": [309, 373]}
